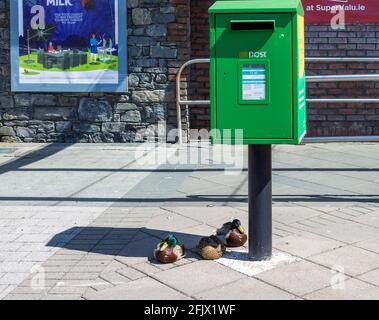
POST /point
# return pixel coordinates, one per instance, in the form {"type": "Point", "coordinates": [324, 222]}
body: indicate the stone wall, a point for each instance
{"type": "Point", "coordinates": [158, 43]}
{"type": "Point", "coordinates": [321, 41]}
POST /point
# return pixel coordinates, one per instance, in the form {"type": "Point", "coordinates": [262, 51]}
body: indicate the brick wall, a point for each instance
{"type": "Point", "coordinates": [179, 33]}
{"type": "Point", "coordinates": [199, 84]}
{"type": "Point", "coordinates": [343, 119]}
{"type": "Point", "coordinates": [321, 41]}
{"type": "Point", "coordinates": [158, 43]}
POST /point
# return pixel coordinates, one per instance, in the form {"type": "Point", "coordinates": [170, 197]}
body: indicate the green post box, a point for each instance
{"type": "Point", "coordinates": [257, 71]}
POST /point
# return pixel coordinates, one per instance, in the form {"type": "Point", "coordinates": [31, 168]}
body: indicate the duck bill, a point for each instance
{"type": "Point", "coordinates": [241, 229]}
{"type": "Point", "coordinates": [164, 246]}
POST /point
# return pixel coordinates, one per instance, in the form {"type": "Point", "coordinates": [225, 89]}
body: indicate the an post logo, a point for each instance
{"type": "Point", "coordinates": [257, 54]}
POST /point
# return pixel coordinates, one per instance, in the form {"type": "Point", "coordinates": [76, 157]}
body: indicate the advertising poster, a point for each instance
{"type": "Point", "coordinates": [355, 11]}
{"type": "Point", "coordinates": [69, 45]}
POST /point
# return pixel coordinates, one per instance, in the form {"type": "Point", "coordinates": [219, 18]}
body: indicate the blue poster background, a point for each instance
{"type": "Point", "coordinates": [69, 28]}
{"type": "Point", "coordinates": [98, 16]}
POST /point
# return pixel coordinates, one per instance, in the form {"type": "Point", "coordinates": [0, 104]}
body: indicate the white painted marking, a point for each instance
{"type": "Point", "coordinates": [238, 260]}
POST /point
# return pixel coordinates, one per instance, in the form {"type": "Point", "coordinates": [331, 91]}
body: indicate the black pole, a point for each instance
{"type": "Point", "coordinates": [260, 202]}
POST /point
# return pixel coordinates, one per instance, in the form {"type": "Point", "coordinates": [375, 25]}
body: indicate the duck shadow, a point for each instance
{"type": "Point", "coordinates": [138, 243]}
{"type": "Point", "coordinates": [121, 242]}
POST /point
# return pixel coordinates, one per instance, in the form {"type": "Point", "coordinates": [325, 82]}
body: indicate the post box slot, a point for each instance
{"type": "Point", "coordinates": [238, 25]}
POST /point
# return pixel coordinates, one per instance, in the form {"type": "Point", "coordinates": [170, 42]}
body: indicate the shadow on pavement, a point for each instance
{"type": "Point", "coordinates": [121, 242]}
{"type": "Point", "coordinates": [201, 199]}
{"type": "Point", "coordinates": [33, 156]}
{"type": "Point", "coordinates": [138, 170]}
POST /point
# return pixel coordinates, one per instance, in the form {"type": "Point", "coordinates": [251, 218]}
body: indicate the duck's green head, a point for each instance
{"type": "Point", "coordinates": [170, 241]}
{"type": "Point", "coordinates": [236, 224]}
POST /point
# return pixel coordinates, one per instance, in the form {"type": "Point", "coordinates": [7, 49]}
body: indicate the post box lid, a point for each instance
{"type": "Point", "coordinates": [230, 6]}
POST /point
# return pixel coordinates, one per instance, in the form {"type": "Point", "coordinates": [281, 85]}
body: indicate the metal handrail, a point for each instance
{"type": "Point", "coordinates": [322, 78]}
{"type": "Point", "coordinates": [341, 59]}
{"type": "Point", "coordinates": [342, 100]}
{"type": "Point", "coordinates": [344, 78]}
{"type": "Point", "coordinates": [179, 102]}
{"type": "Point", "coordinates": [341, 139]}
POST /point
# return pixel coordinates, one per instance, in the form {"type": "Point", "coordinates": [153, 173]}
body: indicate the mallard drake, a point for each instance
{"type": "Point", "coordinates": [169, 250]}
{"type": "Point", "coordinates": [211, 248]}
{"type": "Point", "coordinates": [234, 233]}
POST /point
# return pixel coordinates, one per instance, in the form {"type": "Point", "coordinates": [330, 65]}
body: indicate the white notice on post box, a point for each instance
{"type": "Point", "coordinates": [254, 82]}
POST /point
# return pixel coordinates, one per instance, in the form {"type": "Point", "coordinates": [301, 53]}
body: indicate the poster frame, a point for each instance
{"type": "Point", "coordinates": [121, 86]}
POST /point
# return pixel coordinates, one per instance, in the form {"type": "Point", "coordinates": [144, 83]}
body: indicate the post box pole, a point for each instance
{"type": "Point", "coordinates": [260, 202]}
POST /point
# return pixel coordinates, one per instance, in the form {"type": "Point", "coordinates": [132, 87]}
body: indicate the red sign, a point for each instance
{"type": "Point", "coordinates": [355, 11]}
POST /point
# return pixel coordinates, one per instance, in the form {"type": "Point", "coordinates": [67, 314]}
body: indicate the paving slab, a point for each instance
{"type": "Point", "coordinates": [227, 180]}
{"type": "Point", "coordinates": [23, 296]}
{"type": "Point", "coordinates": [114, 278]}
{"type": "Point", "coordinates": [164, 224]}
{"type": "Point", "coordinates": [353, 260]}
{"type": "Point", "coordinates": [80, 276]}
{"type": "Point", "coordinates": [370, 245]}
{"type": "Point", "coordinates": [62, 297]}
{"type": "Point", "coordinates": [13, 278]}
{"type": "Point", "coordinates": [371, 277]}
{"type": "Point", "coordinates": [63, 289]}
{"type": "Point", "coordinates": [131, 273]}
{"type": "Point", "coordinates": [147, 268]}
{"type": "Point", "coordinates": [298, 278]}
{"type": "Point", "coordinates": [198, 276]}
{"type": "Point", "coordinates": [138, 251]}
{"type": "Point", "coordinates": [141, 289]}
{"type": "Point", "coordinates": [207, 214]}
{"type": "Point", "coordinates": [245, 289]}
{"type": "Point", "coordinates": [100, 284]}
{"type": "Point", "coordinates": [294, 213]}
{"type": "Point", "coordinates": [348, 232]}
{"type": "Point", "coordinates": [371, 219]}
{"type": "Point", "coordinates": [353, 290]}
{"type": "Point", "coordinates": [305, 244]}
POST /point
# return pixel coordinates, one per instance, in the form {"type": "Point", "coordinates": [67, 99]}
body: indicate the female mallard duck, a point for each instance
{"type": "Point", "coordinates": [211, 248]}
{"type": "Point", "coordinates": [169, 250]}
{"type": "Point", "coordinates": [234, 233]}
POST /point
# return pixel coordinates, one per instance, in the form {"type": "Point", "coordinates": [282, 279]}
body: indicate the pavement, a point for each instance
{"type": "Point", "coordinates": [80, 221]}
